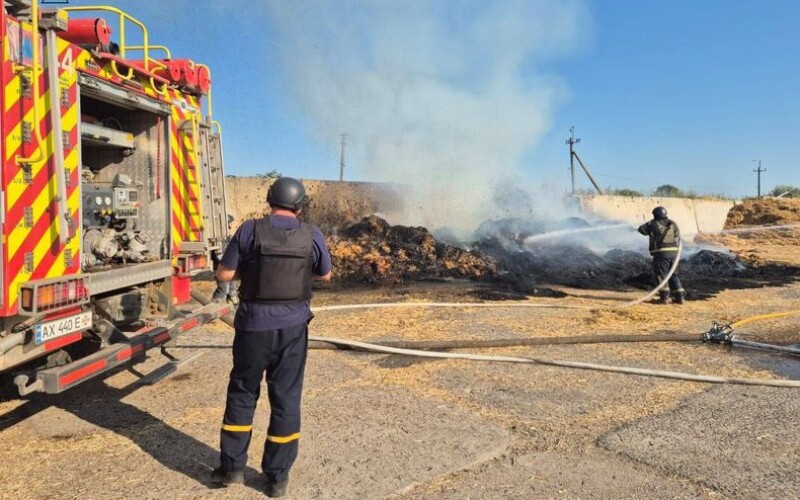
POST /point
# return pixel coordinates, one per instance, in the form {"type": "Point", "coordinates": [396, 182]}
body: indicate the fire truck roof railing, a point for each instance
{"type": "Point", "coordinates": [150, 65]}
{"type": "Point", "coordinates": [122, 18]}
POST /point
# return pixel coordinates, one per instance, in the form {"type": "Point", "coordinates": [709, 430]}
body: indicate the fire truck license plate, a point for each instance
{"type": "Point", "coordinates": [64, 326]}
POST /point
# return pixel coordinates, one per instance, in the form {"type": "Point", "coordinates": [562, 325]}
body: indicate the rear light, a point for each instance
{"type": "Point", "coordinates": [193, 264]}
{"type": "Point", "coordinates": [53, 295]}
{"type": "Point", "coordinates": [26, 299]}
{"type": "Point", "coordinates": [200, 262]}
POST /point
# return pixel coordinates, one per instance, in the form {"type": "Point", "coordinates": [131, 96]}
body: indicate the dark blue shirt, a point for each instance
{"type": "Point", "coordinates": [256, 316]}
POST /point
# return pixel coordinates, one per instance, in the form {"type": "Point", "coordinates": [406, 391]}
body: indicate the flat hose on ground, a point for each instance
{"type": "Point", "coordinates": [524, 341]}
{"type": "Point", "coordinates": [327, 342]}
{"type": "Point", "coordinates": [762, 317]}
{"type": "Point", "coordinates": [484, 343]}
{"type": "Point", "coordinates": [710, 379]}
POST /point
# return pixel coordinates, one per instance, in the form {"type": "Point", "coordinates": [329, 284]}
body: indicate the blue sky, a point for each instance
{"type": "Point", "coordinates": [685, 92]}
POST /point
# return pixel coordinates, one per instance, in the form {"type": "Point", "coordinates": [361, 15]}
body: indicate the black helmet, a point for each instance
{"type": "Point", "coordinates": [660, 213]}
{"type": "Point", "coordinates": [287, 193]}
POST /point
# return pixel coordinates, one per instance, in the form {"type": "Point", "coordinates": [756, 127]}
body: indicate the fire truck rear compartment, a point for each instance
{"type": "Point", "coordinates": [125, 212]}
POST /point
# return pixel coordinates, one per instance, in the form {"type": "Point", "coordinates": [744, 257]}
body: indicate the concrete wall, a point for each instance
{"type": "Point", "coordinates": [337, 204]}
{"type": "Point", "coordinates": [693, 216]}
{"type": "Point", "coordinates": [332, 203]}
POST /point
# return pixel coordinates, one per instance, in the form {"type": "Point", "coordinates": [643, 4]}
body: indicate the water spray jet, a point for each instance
{"type": "Point", "coordinates": [568, 232]}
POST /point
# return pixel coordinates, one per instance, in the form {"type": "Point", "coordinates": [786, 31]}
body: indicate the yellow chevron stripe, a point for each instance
{"type": "Point", "coordinates": [179, 154]}
{"type": "Point", "coordinates": [70, 119]}
{"type": "Point", "coordinates": [185, 189]}
{"type": "Point", "coordinates": [83, 57]}
{"type": "Point", "coordinates": [42, 246]}
{"type": "Point", "coordinates": [16, 189]}
{"type": "Point", "coordinates": [188, 145]}
{"type": "Point", "coordinates": [20, 233]}
{"type": "Point", "coordinates": [41, 249]}
{"type": "Point", "coordinates": [13, 92]}
{"type": "Point", "coordinates": [42, 199]}
{"type": "Point", "coordinates": [14, 139]}
{"type": "Point", "coordinates": [176, 237]}
{"type": "Point", "coordinates": [192, 187]}
{"type": "Point", "coordinates": [17, 185]}
{"type": "Point", "coordinates": [73, 204]}
{"type": "Point", "coordinates": [180, 210]}
{"type": "Point", "coordinates": [61, 45]}
{"type": "Point", "coordinates": [284, 439]}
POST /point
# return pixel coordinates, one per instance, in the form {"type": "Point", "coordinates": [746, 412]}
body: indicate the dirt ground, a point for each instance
{"type": "Point", "coordinates": [378, 426]}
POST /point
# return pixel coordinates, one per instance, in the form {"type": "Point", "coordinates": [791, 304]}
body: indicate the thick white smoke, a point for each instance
{"type": "Point", "coordinates": [445, 97]}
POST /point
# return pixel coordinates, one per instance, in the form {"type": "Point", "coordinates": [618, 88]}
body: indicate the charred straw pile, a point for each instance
{"type": "Point", "coordinates": [577, 266]}
{"type": "Point", "coordinates": [373, 251]}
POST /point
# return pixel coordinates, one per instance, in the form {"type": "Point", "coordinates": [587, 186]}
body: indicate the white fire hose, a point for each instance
{"type": "Point", "coordinates": [365, 346]}
{"type": "Point", "coordinates": [369, 347]}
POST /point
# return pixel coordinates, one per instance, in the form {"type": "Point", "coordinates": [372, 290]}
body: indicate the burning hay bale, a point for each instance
{"type": "Point", "coordinates": [513, 262]}
{"type": "Point", "coordinates": [567, 265]}
{"type": "Point", "coordinates": [555, 262]}
{"type": "Point", "coordinates": [373, 251]}
{"type": "Point", "coordinates": [526, 256]}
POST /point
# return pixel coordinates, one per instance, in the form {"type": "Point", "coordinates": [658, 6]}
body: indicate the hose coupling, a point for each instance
{"type": "Point", "coordinates": [719, 333]}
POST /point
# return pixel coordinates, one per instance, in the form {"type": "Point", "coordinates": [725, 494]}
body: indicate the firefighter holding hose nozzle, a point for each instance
{"type": "Point", "coordinates": [276, 257]}
{"type": "Point", "coordinates": [665, 238]}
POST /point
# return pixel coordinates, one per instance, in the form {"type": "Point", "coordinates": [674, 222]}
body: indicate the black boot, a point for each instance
{"type": "Point", "coordinates": [275, 489]}
{"type": "Point", "coordinates": [221, 477]}
{"type": "Point", "coordinates": [678, 299]}
{"type": "Point", "coordinates": [663, 298]}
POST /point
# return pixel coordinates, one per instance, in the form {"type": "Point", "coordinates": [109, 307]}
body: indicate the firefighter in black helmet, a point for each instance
{"type": "Point", "coordinates": [664, 240]}
{"type": "Point", "coordinates": [276, 258]}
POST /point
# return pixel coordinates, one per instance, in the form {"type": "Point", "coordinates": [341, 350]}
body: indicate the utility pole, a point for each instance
{"type": "Point", "coordinates": [572, 141]}
{"type": "Point", "coordinates": [758, 172]}
{"type": "Point", "coordinates": [341, 158]}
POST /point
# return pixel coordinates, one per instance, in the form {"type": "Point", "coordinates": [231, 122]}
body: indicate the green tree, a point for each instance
{"type": "Point", "coordinates": [790, 191]}
{"type": "Point", "coordinates": [624, 192]}
{"type": "Point", "coordinates": [273, 174]}
{"type": "Point", "coordinates": [668, 191]}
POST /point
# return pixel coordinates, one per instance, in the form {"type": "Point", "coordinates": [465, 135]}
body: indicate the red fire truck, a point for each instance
{"type": "Point", "coordinates": [112, 194]}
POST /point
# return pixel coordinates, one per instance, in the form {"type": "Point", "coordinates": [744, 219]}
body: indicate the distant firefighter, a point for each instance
{"type": "Point", "coordinates": [664, 240]}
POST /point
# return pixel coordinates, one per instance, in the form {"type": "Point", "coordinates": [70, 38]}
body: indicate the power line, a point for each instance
{"type": "Point", "coordinates": [341, 158]}
{"type": "Point", "coordinates": [619, 177]}
{"type": "Point", "coordinates": [572, 141]}
{"type": "Point", "coordinates": [758, 172]}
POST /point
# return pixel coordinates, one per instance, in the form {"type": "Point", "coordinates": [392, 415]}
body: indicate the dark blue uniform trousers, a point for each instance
{"type": "Point", "coordinates": [662, 263]}
{"type": "Point", "coordinates": [281, 354]}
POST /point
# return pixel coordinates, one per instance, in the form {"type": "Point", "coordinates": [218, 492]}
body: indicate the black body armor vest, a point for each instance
{"type": "Point", "coordinates": [279, 271]}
